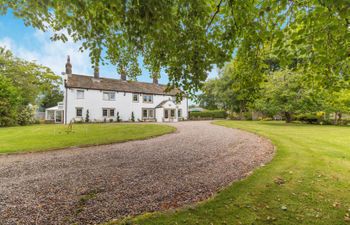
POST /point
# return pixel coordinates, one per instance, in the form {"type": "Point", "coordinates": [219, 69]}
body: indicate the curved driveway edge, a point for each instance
{"type": "Point", "coordinates": [96, 184]}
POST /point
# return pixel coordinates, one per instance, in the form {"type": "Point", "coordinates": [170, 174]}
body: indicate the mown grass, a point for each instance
{"type": "Point", "coordinates": [307, 182]}
{"type": "Point", "coordinates": [48, 137]}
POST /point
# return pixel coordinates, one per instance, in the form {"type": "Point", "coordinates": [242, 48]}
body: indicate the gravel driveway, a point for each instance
{"type": "Point", "coordinates": [96, 184]}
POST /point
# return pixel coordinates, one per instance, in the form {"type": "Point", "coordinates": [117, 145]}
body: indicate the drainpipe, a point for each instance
{"type": "Point", "coordinates": [65, 103]}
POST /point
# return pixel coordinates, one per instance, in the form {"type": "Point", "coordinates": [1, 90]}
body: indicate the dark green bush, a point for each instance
{"type": "Point", "coordinates": [212, 114]}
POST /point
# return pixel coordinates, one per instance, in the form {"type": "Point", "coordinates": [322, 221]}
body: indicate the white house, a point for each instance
{"type": "Point", "coordinates": [104, 99]}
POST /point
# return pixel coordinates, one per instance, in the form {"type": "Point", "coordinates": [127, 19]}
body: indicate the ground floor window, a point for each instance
{"type": "Point", "coordinates": [172, 113]}
{"type": "Point", "coordinates": [179, 113]}
{"type": "Point", "coordinates": [79, 112]}
{"type": "Point", "coordinates": [147, 113]}
{"type": "Point", "coordinates": [108, 112]}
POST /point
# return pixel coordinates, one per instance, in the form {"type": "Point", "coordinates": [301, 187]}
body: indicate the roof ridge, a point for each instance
{"type": "Point", "coordinates": [107, 78]}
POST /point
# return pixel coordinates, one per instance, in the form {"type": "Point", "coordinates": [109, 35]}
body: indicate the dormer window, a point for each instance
{"type": "Point", "coordinates": [108, 96]}
{"type": "Point", "coordinates": [80, 94]}
{"type": "Point", "coordinates": [147, 98]}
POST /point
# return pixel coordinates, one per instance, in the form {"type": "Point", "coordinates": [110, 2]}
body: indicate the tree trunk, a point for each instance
{"type": "Point", "coordinates": [288, 116]}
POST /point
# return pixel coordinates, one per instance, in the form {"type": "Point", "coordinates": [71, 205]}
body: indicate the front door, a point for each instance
{"type": "Point", "coordinates": [169, 115]}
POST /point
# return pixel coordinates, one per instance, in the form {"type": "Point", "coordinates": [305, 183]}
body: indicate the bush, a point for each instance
{"type": "Point", "coordinates": [212, 114]}
{"type": "Point", "coordinates": [26, 116]}
{"type": "Point", "coordinates": [311, 118]}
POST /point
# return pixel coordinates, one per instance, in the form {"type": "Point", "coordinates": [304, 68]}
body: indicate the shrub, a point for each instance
{"type": "Point", "coordinates": [209, 114]}
{"type": "Point", "coordinates": [132, 117]}
{"type": "Point", "coordinates": [87, 117]}
{"type": "Point", "coordinates": [118, 117]}
{"type": "Point", "coordinates": [311, 118]}
{"type": "Point", "coordinates": [26, 116]}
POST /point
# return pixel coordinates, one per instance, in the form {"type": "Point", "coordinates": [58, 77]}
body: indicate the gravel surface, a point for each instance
{"type": "Point", "coordinates": [96, 184]}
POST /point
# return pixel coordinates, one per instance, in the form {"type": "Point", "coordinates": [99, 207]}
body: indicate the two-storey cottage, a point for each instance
{"type": "Point", "coordinates": [105, 99]}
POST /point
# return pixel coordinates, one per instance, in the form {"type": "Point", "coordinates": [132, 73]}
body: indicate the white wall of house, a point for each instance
{"type": "Point", "coordinates": [94, 102]}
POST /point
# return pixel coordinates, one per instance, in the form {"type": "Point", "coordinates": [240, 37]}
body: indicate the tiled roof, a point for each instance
{"type": "Point", "coordinates": [108, 84]}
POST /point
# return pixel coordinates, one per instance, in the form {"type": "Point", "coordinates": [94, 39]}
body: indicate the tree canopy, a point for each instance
{"type": "Point", "coordinates": [186, 38]}
{"type": "Point", "coordinates": [21, 84]}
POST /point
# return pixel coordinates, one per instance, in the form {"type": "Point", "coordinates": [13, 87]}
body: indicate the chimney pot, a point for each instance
{"type": "Point", "coordinates": [123, 75]}
{"type": "Point", "coordinates": [96, 72]}
{"type": "Point", "coordinates": [68, 66]}
{"type": "Point", "coordinates": [155, 77]}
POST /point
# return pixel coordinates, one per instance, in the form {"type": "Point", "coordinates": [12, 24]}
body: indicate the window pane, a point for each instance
{"type": "Point", "coordinates": [80, 94]}
{"type": "Point", "coordinates": [135, 98]}
{"type": "Point", "coordinates": [104, 112]}
{"type": "Point", "coordinates": [105, 96]}
{"type": "Point", "coordinates": [112, 96]}
{"type": "Point", "coordinates": [172, 113]}
{"type": "Point", "coordinates": [151, 113]}
{"type": "Point", "coordinates": [111, 112]}
{"type": "Point", "coordinates": [79, 112]}
{"type": "Point", "coordinates": [179, 113]}
{"type": "Point", "coordinates": [166, 115]}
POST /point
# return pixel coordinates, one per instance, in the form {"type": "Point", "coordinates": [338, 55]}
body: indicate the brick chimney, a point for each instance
{"type": "Point", "coordinates": [123, 74]}
{"type": "Point", "coordinates": [68, 66]}
{"type": "Point", "coordinates": [96, 72]}
{"type": "Point", "coordinates": [155, 77]}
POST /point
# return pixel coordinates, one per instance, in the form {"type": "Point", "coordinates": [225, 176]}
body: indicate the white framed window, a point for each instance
{"type": "Point", "coordinates": [80, 94]}
{"type": "Point", "coordinates": [172, 113]}
{"type": "Point", "coordinates": [147, 98]}
{"type": "Point", "coordinates": [135, 98]}
{"type": "Point", "coordinates": [108, 96]}
{"type": "Point", "coordinates": [79, 112]}
{"type": "Point", "coordinates": [148, 113]}
{"type": "Point", "coordinates": [107, 112]}
{"type": "Point", "coordinates": [179, 113]}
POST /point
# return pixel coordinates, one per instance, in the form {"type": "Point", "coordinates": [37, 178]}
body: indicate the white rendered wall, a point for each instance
{"type": "Point", "coordinates": [93, 101]}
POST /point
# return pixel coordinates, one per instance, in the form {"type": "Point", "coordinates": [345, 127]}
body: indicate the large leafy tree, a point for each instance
{"type": "Point", "coordinates": [287, 92]}
{"type": "Point", "coordinates": [9, 102]}
{"type": "Point", "coordinates": [185, 38]}
{"type": "Point", "coordinates": [22, 82]}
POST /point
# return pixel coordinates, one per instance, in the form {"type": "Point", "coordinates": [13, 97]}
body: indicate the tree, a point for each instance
{"type": "Point", "coordinates": [186, 38]}
{"type": "Point", "coordinates": [22, 83]}
{"type": "Point", "coordinates": [51, 97]}
{"type": "Point", "coordinates": [286, 92]}
{"type": "Point", "coordinates": [30, 78]}
{"type": "Point", "coordinates": [9, 102]}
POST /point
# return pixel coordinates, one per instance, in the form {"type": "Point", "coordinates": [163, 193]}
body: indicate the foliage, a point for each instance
{"type": "Point", "coordinates": [118, 117]}
{"type": "Point", "coordinates": [313, 161]}
{"type": "Point", "coordinates": [31, 79]}
{"type": "Point", "coordinates": [26, 115]}
{"type": "Point", "coordinates": [87, 116]}
{"type": "Point", "coordinates": [132, 117]}
{"type": "Point", "coordinates": [9, 102]}
{"type": "Point", "coordinates": [51, 97]}
{"type": "Point", "coordinates": [56, 136]}
{"type": "Point", "coordinates": [21, 83]}
{"type": "Point", "coordinates": [209, 114]}
{"type": "Point", "coordinates": [288, 92]}
{"type": "Point", "coordinates": [185, 38]}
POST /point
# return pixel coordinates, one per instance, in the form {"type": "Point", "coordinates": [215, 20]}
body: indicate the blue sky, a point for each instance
{"type": "Point", "coordinates": [34, 45]}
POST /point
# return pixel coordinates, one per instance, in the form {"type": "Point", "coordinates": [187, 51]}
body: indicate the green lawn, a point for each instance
{"type": "Point", "coordinates": [314, 164]}
{"type": "Point", "coordinates": [47, 137]}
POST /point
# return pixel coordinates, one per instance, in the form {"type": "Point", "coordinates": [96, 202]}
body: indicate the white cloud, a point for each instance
{"type": "Point", "coordinates": [52, 54]}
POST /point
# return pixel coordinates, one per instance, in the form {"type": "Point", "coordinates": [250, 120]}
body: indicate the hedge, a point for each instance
{"type": "Point", "coordinates": [209, 114]}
